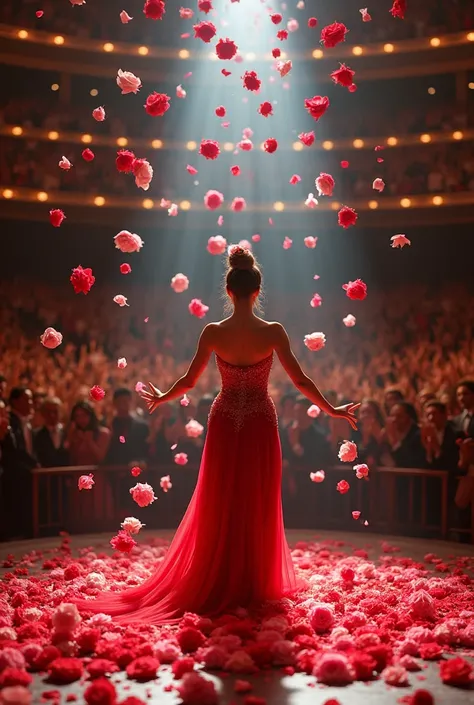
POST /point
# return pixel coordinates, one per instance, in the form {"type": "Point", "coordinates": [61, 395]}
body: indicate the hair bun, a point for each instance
{"type": "Point", "coordinates": [241, 258]}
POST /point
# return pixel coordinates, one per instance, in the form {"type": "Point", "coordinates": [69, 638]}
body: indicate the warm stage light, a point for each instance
{"type": "Point", "coordinates": [87, 139]}
{"type": "Point", "coordinates": [297, 146]}
{"type": "Point", "coordinates": [8, 193]}
{"type": "Point", "coordinates": [470, 37]}
{"type": "Point", "coordinates": [17, 130]}
{"type": "Point", "coordinates": [335, 205]}
{"type": "Point", "coordinates": [373, 205]}
{"type": "Point", "coordinates": [357, 51]}
{"type": "Point", "coordinates": [53, 135]}
{"type": "Point", "coordinates": [327, 144]}
{"type": "Point", "coordinates": [55, 87]}
{"type": "Point", "coordinates": [405, 203]}
{"type": "Point", "coordinates": [471, 85]}
{"type": "Point", "coordinates": [99, 201]}
{"type": "Point", "coordinates": [228, 146]}
{"type": "Point", "coordinates": [42, 196]}
{"type": "Point", "coordinates": [94, 92]}
{"type": "Point", "coordinates": [425, 138]}
{"type": "Point", "coordinates": [191, 145]}
{"type": "Point", "coordinates": [279, 206]}
{"type": "Point", "coordinates": [183, 54]}
{"type": "Point", "coordinates": [437, 201]}
{"type": "Point", "coordinates": [388, 48]}
{"type": "Point", "coordinates": [213, 56]}
{"type": "Point", "coordinates": [143, 51]}
{"type": "Point", "coordinates": [392, 141]}
{"type": "Point", "coordinates": [59, 40]}
{"type": "Point", "coordinates": [358, 144]}
{"type": "Point", "coordinates": [435, 41]}
{"type": "Point", "coordinates": [108, 46]}
{"type": "Point", "coordinates": [431, 90]}
{"type": "Point", "coordinates": [185, 205]}
{"type": "Point", "coordinates": [147, 203]}
{"type": "Point", "coordinates": [457, 135]}
{"type": "Point", "coordinates": [250, 56]}
{"type": "Point", "coordinates": [22, 34]}
{"type": "Point", "coordinates": [122, 141]}
{"type": "Point", "coordinates": [156, 144]}
{"type": "Point", "coordinates": [318, 54]}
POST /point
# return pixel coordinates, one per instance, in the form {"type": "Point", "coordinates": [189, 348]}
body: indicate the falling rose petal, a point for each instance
{"type": "Point", "coordinates": [197, 308]}
{"type": "Point", "coordinates": [64, 164]}
{"type": "Point", "coordinates": [344, 164]}
{"type": "Point", "coordinates": [295, 179]}
{"type": "Point", "coordinates": [356, 290]}
{"type": "Point", "coordinates": [224, 72]}
{"type": "Point", "coordinates": [284, 67]}
{"type": "Point", "coordinates": [139, 387]}
{"type": "Point", "coordinates": [88, 155]}
{"type": "Point", "coordinates": [379, 148]}
{"type": "Point", "coordinates": [180, 458]}
{"type": "Point", "coordinates": [380, 160]}
{"type": "Point", "coordinates": [179, 283]}
{"type": "Point", "coordinates": [316, 301]}
{"type": "Point", "coordinates": [220, 111]}
{"type": "Point", "coordinates": [287, 243]}
{"type": "Point", "coordinates": [180, 92]}
{"type": "Point", "coordinates": [311, 201]}
{"type": "Point", "coordinates": [185, 35]}
{"type": "Point", "coordinates": [225, 124]}
{"type": "Point", "coordinates": [311, 242]}
{"type": "Point", "coordinates": [121, 300]}
{"type": "Point", "coordinates": [343, 487]}
{"type": "Point", "coordinates": [165, 483]}
{"type": "Point", "coordinates": [217, 245]}
{"type": "Point", "coordinates": [316, 276]}
{"type": "Point", "coordinates": [378, 185]}
{"type": "Point", "coordinates": [270, 221]}
{"type": "Point", "coordinates": [145, 320]}
{"type": "Point", "coordinates": [356, 515]}
{"type": "Point", "coordinates": [315, 341]}
{"type": "Point", "coordinates": [220, 221]}
{"type": "Point", "coordinates": [324, 184]}
{"type": "Point", "coordinates": [318, 476]}
{"type": "Point", "coordinates": [184, 401]}
{"type": "Point", "coordinates": [39, 13]}
{"type": "Point", "coordinates": [173, 210]}
{"type": "Point", "coordinates": [188, 75]}
{"type": "Point", "coordinates": [314, 411]}
{"type": "Point", "coordinates": [174, 446]}
{"type": "Point", "coordinates": [122, 363]}
{"type": "Point", "coordinates": [400, 241]}
{"type": "Point", "coordinates": [125, 17]}
{"type": "Point", "coordinates": [366, 523]}
{"type": "Point", "coordinates": [292, 25]}
{"type": "Point", "coordinates": [213, 199]}
{"type": "Point", "coordinates": [86, 482]}
{"type": "Point", "coordinates": [191, 170]}
{"type": "Point", "coordinates": [349, 320]}
{"type": "Point", "coordinates": [194, 429]}
{"type": "Point", "coordinates": [398, 9]}
{"type": "Point", "coordinates": [365, 15]}
{"type": "Point", "coordinates": [256, 237]}
{"type": "Point", "coordinates": [122, 439]}
{"type": "Point", "coordinates": [346, 217]}
{"type": "Point", "coordinates": [307, 138]}
{"type": "Point", "coordinates": [99, 114]}
{"type": "Point", "coordinates": [312, 22]}
{"type": "Point", "coordinates": [235, 170]}
{"type": "Point", "coordinates": [56, 217]}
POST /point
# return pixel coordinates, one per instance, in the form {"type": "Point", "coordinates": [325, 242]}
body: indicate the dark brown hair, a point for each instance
{"type": "Point", "coordinates": [243, 277]}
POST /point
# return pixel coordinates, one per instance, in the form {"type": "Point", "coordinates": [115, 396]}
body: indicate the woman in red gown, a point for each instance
{"type": "Point", "coordinates": [230, 549]}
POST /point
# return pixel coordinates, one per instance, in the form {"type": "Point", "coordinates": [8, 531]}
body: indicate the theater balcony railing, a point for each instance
{"type": "Point", "coordinates": [425, 509]}
{"type": "Point", "coordinates": [77, 55]}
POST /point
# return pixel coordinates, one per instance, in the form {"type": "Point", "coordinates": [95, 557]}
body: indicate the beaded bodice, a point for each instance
{"type": "Point", "coordinates": [244, 391]}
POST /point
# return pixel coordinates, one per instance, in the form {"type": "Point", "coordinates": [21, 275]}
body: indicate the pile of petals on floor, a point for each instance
{"type": "Point", "coordinates": [354, 619]}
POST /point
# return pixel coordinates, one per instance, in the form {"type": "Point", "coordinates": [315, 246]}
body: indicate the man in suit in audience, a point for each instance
{"type": "Point", "coordinates": [439, 438]}
{"type": "Point", "coordinates": [48, 440]}
{"type": "Point", "coordinates": [404, 436]}
{"type": "Point", "coordinates": [464, 422]}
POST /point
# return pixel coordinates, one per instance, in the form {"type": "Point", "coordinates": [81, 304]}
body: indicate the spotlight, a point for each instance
{"type": "Point", "coordinates": [470, 37]}
{"type": "Point", "coordinates": [8, 193]}
{"type": "Point", "coordinates": [279, 206]}
{"type": "Point", "coordinates": [55, 87]}
{"type": "Point", "coordinates": [392, 141]}
{"type": "Point", "coordinates": [373, 205]}
{"type": "Point", "coordinates": [143, 51]}
{"type": "Point", "coordinates": [357, 51]}
{"type": "Point", "coordinates": [53, 135]}
{"type": "Point", "coordinates": [148, 203]}
{"type": "Point", "coordinates": [185, 205]}
{"type": "Point", "coordinates": [183, 54]}
{"type": "Point", "coordinates": [17, 130]}
{"type": "Point", "coordinates": [191, 146]}
{"type": "Point", "coordinates": [99, 201]}
{"type": "Point", "coordinates": [437, 201]}
{"type": "Point", "coordinates": [425, 138]}
{"type": "Point", "coordinates": [388, 48]}
{"type": "Point", "coordinates": [87, 139]}
{"type": "Point", "coordinates": [435, 41]}
{"type": "Point", "coordinates": [358, 144]}
{"type": "Point", "coordinates": [327, 144]}
{"type": "Point", "coordinates": [405, 203]}
{"type": "Point", "coordinates": [94, 92]}
{"type": "Point", "coordinates": [457, 135]}
{"type": "Point", "coordinates": [108, 47]}
{"type": "Point", "coordinates": [42, 196]}
{"type": "Point", "coordinates": [431, 90]}
{"type": "Point", "coordinates": [318, 54]}
{"type": "Point", "coordinates": [156, 144]}
{"type": "Point", "coordinates": [59, 40]}
{"type": "Point", "coordinates": [122, 141]}
{"type": "Point", "coordinates": [297, 146]}
{"type": "Point", "coordinates": [22, 34]}
{"type": "Point", "coordinates": [228, 146]}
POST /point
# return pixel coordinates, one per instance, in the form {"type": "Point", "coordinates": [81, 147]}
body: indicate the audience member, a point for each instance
{"type": "Point", "coordinates": [49, 439]}
{"type": "Point", "coordinates": [464, 422]}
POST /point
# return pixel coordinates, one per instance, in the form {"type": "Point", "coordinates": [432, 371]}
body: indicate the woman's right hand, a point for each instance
{"type": "Point", "coordinates": [347, 412]}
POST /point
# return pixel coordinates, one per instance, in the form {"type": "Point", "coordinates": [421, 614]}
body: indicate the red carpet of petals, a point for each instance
{"type": "Point", "coordinates": [355, 619]}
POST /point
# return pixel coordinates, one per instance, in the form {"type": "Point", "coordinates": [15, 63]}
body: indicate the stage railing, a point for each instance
{"type": "Point", "coordinates": [393, 500]}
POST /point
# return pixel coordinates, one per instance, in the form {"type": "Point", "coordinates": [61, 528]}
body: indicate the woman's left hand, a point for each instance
{"type": "Point", "coordinates": [152, 397]}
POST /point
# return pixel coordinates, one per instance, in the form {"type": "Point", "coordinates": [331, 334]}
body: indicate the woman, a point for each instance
{"type": "Point", "coordinates": [230, 549]}
{"type": "Point", "coordinates": [370, 435]}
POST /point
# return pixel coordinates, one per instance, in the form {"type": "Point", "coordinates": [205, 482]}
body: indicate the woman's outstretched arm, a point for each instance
{"type": "Point", "coordinates": [205, 347]}
{"type": "Point", "coordinates": [303, 383]}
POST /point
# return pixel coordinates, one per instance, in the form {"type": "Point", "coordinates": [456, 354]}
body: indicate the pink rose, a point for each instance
{"type": "Point", "coordinates": [180, 92]}
{"type": "Point", "coordinates": [400, 241]}
{"type": "Point", "coordinates": [238, 204]}
{"type": "Point", "coordinates": [184, 401]}
{"type": "Point", "coordinates": [123, 542]}
{"type": "Point", "coordinates": [179, 283]}
{"type": "Point", "coordinates": [142, 494]}
{"type": "Point", "coordinates": [321, 617]}
{"type": "Point", "coordinates": [245, 145]}
{"type": "Point", "coordinates": [316, 301]}
{"type": "Point", "coordinates": [343, 487]}
{"type": "Point", "coordinates": [99, 114]}
{"type": "Point", "coordinates": [315, 341]}
{"type": "Point", "coordinates": [197, 308]}
{"type": "Point", "coordinates": [121, 300]}
{"type": "Point", "coordinates": [311, 201]}
{"type": "Point", "coordinates": [347, 452]}
{"type": "Point", "coordinates": [143, 173]}
{"type": "Point", "coordinates": [128, 82]}
{"type": "Point", "coordinates": [310, 242]}
{"type": "Point", "coordinates": [349, 320]}
{"type": "Point", "coordinates": [216, 245]}
{"type": "Point", "coordinates": [15, 695]}
{"type": "Point", "coordinates": [346, 217]}
{"type": "Point", "coordinates": [128, 242]}
{"type": "Point", "coordinates": [213, 200]}
{"type": "Point", "coordinates": [51, 338]}
{"type": "Point", "coordinates": [125, 17]}
{"type": "Point", "coordinates": [66, 617]}
{"type": "Point", "coordinates": [295, 179]}
{"type": "Point", "coordinates": [378, 185]}
{"type": "Point", "coordinates": [165, 483]}
{"type": "Point", "coordinates": [325, 184]}
{"type": "Point", "coordinates": [314, 411]}
{"type": "Point", "coordinates": [86, 482]}
{"type": "Point", "coordinates": [122, 363]}
{"type": "Point", "coordinates": [361, 471]}
{"type": "Point", "coordinates": [292, 25]}
{"type": "Point", "coordinates": [196, 690]}
{"type": "Point", "coordinates": [64, 164]}
{"type": "Point", "coordinates": [284, 67]}
{"type": "Point", "coordinates": [194, 429]}
{"type": "Point", "coordinates": [287, 243]}
{"type": "Point", "coordinates": [181, 459]}
{"type": "Point", "coordinates": [186, 13]}
{"type": "Point", "coordinates": [240, 662]}
{"type": "Point", "coordinates": [333, 669]}
{"type": "Point", "coordinates": [356, 290]}
{"type": "Point", "coordinates": [365, 15]}
{"type": "Point", "coordinates": [318, 476]}
{"type": "Point", "coordinates": [395, 675]}
{"type": "Point", "coordinates": [422, 606]}
{"type": "Point", "coordinates": [132, 525]}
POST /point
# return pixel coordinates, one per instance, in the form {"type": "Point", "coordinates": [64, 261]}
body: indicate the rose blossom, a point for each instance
{"type": "Point", "coordinates": [64, 164]}
{"type": "Point", "coordinates": [165, 483]}
{"type": "Point", "coordinates": [122, 363]}
{"type": "Point", "coordinates": [86, 482]}
{"type": "Point", "coordinates": [126, 241]}
{"type": "Point", "coordinates": [216, 245]}
{"type": "Point", "coordinates": [82, 280]}
{"type": "Point", "coordinates": [143, 173]}
{"type": "Point", "coordinates": [196, 690]}
{"type": "Point", "coordinates": [251, 81]}
{"type": "Point", "coordinates": [343, 487]}
{"type": "Point", "coordinates": [395, 675]}
{"type": "Point", "coordinates": [270, 145]}
{"type": "Point", "coordinates": [349, 320]}
{"type": "Point", "coordinates": [343, 76]}
{"type": "Point", "coordinates": [295, 179]}
{"type": "Point", "coordinates": [316, 106]}
{"type": "Point", "coordinates": [356, 290]}
{"type": "Point", "coordinates": [318, 476]}
{"type": "Point", "coordinates": [307, 138]}
{"type": "Point", "coordinates": [154, 9]}
{"type": "Point", "coordinates": [186, 13]}
{"type": "Point", "coordinates": [400, 241]}
{"type": "Point", "coordinates": [194, 429]}
{"type": "Point", "coordinates": [333, 669]}
{"type": "Point", "coordinates": [197, 308]}
{"type": "Point", "coordinates": [125, 160]}
{"type": "Point", "coordinates": [314, 411]}
{"type": "Point", "coordinates": [265, 109]}
{"type": "Point", "coordinates": [15, 695]}
{"type": "Point", "coordinates": [316, 301]}
{"type": "Point", "coordinates": [181, 458]}
{"type": "Point", "coordinates": [132, 525]}
{"type": "Point", "coordinates": [315, 341]}
{"type": "Point", "coordinates": [220, 111]}
{"type": "Point", "coordinates": [310, 242]}
{"type": "Point", "coordinates": [324, 184]}
{"type": "Point", "coordinates": [96, 393]}
{"type": "Point", "coordinates": [142, 494]}
{"type": "Point", "coordinates": [157, 104]}
{"type": "Point", "coordinates": [361, 471]}
{"type": "Point", "coordinates": [51, 338]}
{"type": "Point", "coordinates": [347, 452]}
{"type": "Point", "coordinates": [99, 114]}
{"type": "Point", "coordinates": [204, 31]}
{"type": "Point", "coordinates": [333, 34]}
{"type": "Point", "coordinates": [226, 49]}
{"type": "Point", "coordinates": [209, 149]}
{"type": "Point", "coordinates": [245, 145]}
{"type": "Point", "coordinates": [321, 617]}
{"type": "Point", "coordinates": [123, 542]}
{"type": "Point", "coordinates": [66, 617]}
{"type": "Point", "coordinates": [365, 15]}
{"type": "Point", "coordinates": [213, 200]}
{"type": "Point", "coordinates": [287, 243]}
{"type": "Point", "coordinates": [179, 283]}
{"type": "Point", "coordinates": [398, 9]}
{"type": "Point", "coordinates": [56, 217]}
{"type": "Point", "coordinates": [88, 155]}
{"type": "Point", "coordinates": [284, 67]}
{"type": "Point", "coordinates": [128, 82]}
{"type": "Point", "coordinates": [125, 17]}
{"type": "Point", "coordinates": [238, 204]}
{"type": "Point", "coordinates": [346, 217]}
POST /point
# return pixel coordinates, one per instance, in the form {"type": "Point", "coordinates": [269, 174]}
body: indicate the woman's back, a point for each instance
{"type": "Point", "coordinates": [243, 340]}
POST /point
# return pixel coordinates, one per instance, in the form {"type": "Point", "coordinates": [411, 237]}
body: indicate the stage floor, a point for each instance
{"type": "Point", "coordinates": [275, 687]}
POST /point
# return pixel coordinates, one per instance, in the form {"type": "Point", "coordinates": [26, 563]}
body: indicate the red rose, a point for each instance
{"type": "Point", "coordinates": [11, 676]}
{"type": "Point", "coordinates": [364, 665]}
{"type": "Point", "coordinates": [190, 639]}
{"type": "Point", "coordinates": [220, 111]}
{"type": "Point", "coordinates": [157, 104]}
{"type": "Point", "coordinates": [82, 280]}
{"type": "Point", "coordinates": [56, 217]}
{"type": "Point", "coordinates": [224, 72]}
{"type": "Point", "coordinates": [205, 6]}
{"type": "Point", "coordinates": [343, 486]}
{"type": "Point", "coordinates": [65, 670]}
{"type": "Point", "coordinates": [88, 155]}
{"type": "Point", "coordinates": [96, 393]}
{"type": "Point", "coordinates": [124, 161]}
{"type": "Point", "coordinates": [312, 22]}
{"type": "Point", "coordinates": [307, 138]}
{"type": "Point", "coordinates": [125, 268]}
{"type": "Point", "coordinates": [421, 697]}
{"type": "Point", "coordinates": [276, 53]}
{"type": "Point", "coordinates": [226, 49]}
{"type": "Point", "coordinates": [352, 89]}
{"type": "Point", "coordinates": [265, 109]}
{"type": "Point", "coordinates": [430, 651]}
{"type": "Point", "coordinates": [123, 542]}
{"type": "Point", "coordinates": [182, 666]}
{"type": "Point", "coordinates": [398, 9]}
{"type": "Point", "coordinates": [333, 34]}
{"type": "Point", "coordinates": [356, 290]}
{"type": "Point", "coordinates": [209, 149]}
{"type": "Point", "coordinates": [344, 164]}
{"type": "Point", "coordinates": [282, 34]}
{"type": "Point", "coordinates": [276, 18]}
{"type": "Point", "coordinates": [235, 170]}
{"type": "Point", "coordinates": [87, 640]}
{"type": "Point", "coordinates": [346, 217]}
{"type": "Point", "coordinates": [72, 571]}
{"type": "Point", "coordinates": [270, 145]}
{"type": "Point", "coordinates": [456, 671]}
{"type": "Point", "coordinates": [316, 106]}
{"type": "Point", "coordinates": [343, 76]}
{"type": "Point", "coordinates": [205, 31]}
{"type": "Point", "coordinates": [101, 692]}
{"type": "Point", "coordinates": [154, 9]}
{"type": "Point", "coordinates": [143, 668]}
{"type": "Point", "coordinates": [136, 471]}
{"type": "Point", "coordinates": [251, 81]}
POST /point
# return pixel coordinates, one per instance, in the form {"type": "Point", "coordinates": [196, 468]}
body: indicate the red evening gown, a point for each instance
{"type": "Point", "coordinates": [230, 549]}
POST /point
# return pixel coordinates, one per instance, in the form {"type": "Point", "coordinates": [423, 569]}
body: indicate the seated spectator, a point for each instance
{"type": "Point", "coordinates": [128, 444]}
{"type": "Point", "coordinates": [39, 395]}
{"type": "Point", "coordinates": [369, 436]}
{"type": "Point", "coordinates": [160, 439]}
{"type": "Point", "coordinates": [439, 438]}
{"type": "Point", "coordinates": [49, 439]}
{"type": "Point", "coordinates": [464, 422]}
{"type": "Point", "coordinates": [306, 444]}
{"type": "Point", "coordinates": [403, 436]}
{"type": "Point", "coordinates": [392, 395]}
{"type": "Point", "coordinates": [87, 441]}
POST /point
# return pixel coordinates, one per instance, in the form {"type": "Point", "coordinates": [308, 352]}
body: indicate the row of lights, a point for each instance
{"type": "Point", "coordinates": [278, 206]}
{"type": "Point", "coordinates": [109, 47]}
{"type": "Point", "coordinates": [191, 146]}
